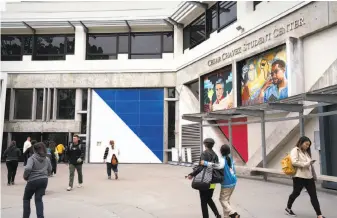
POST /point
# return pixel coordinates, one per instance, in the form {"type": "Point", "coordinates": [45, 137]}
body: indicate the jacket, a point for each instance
{"type": "Point", "coordinates": [109, 152]}
{"type": "Point", "coordinates": [38, 167]}
{"type": "Point", "coordinates": [207, 155]}
{"type": "Point", "coordinates": [12, 153]}
{"type": "Point", "coordinates": [75, 153]}
{"type": "Point", "coordinates": [26, 145]}
{"type": "Point", "coordinates": [60, 148]}
{"type": "Point", "coordinates": [230, 179]}
{"type": "Point", "coordinates": [301, 161]}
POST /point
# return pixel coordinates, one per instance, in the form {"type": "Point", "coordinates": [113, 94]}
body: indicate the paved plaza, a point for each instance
{"type": "Point", "coordinates": [148, 191]}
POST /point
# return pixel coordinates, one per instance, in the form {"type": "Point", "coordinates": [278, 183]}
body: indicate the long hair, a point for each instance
{"type": "Point", "coordinates": [302, 140]}
{"type": "Point", "coordinates": [225, 150]}
{"type": "Point", "coordinates": [52, 145]}
{"type": "Point", "coordinates": [40, 149]}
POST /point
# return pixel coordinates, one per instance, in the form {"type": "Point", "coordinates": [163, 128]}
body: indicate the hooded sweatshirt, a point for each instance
{"type": "Point", "coordinates": [12, 153]}
{"type": "Point", "coordinates": [38, 167]}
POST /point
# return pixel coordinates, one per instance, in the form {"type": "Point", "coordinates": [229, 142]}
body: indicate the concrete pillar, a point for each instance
{"type": "Point", "coordinates": [48, 104]}
{"type": "Point", "coordinates": [12, 105]}
{"type": "Point", "coordinates": [87, 138]}
{"type": "Point", "coordinates": [3, 89]}
{"type": "Point", "coordinates": [295, 67]}
{"type": "Point", "coordinates": [78, 104]}
{"type": "Point", "coordinates": [244, 8]}
{"type": "Point", "coordinates": [34, 103]}
{"type": "Point", "coordinates": [178, 40]}
{"type": "Point", "coordinates": [54, 104]}
{"type": "Point", "coordinates": [44, 104]}
{"type": "Point", "coordinates": [9, 138]}
{"type": "Point", "coordinates": [165, 159]}
{"type": "Point", "coordinates": [80, 43]}
{"type": "Point", "coordinates": [235, 84]}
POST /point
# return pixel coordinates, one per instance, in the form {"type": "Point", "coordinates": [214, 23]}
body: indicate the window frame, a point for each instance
{"type": "Point", "coordinates": [22, 53]}
{"type": "Point", "coordinates": [38, 115]}
{"type": "Point", "coordinates": [87, 54]}
{"type": "Point", "coordinates": [15, 105]}
{"type": "Point", "coordinates": [220, 28]}
{"type": "Point", "coordinates": [147, 34]}
{"type": "Point", "coordinates": [58, 104]}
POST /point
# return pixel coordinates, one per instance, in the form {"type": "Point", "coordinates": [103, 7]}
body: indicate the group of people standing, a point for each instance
{"type": "Point", "coordinates": [304, 177]}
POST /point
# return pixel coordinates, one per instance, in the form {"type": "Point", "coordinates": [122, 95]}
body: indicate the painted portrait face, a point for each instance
{"type": "Point", "coordinates": [277, 74]}
{"type": "Point", "coordinates": [219, 89]}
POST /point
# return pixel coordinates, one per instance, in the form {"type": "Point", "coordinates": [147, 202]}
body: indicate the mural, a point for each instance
{"type": "Point", "coordinates": [218, 90]}
{"type": "Point", "coordinates": [264, 77]}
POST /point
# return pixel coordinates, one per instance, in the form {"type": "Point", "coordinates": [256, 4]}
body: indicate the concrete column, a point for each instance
{"type": "Point", "coordinates": [165, 159]}
{"type": "Point", "coordinates": [178, 40]}
{"type": "Point", "coordinates": [3, 89]}
{"type": "Point", "coordinates": [44, 104]}
{"type": "Point", "coordinates": [48, 104]}
{"type": "Point", "coordinates": [80, 43]}
{"type": "Point", "coordinates": [295, 67]}
{"type": "Point", "coordinates": [12, 105]}
{"type": "Point", "coordinates": [78, 104]}
{"type": "Point", "coordinates": [244, 8]}
{"type": "Point", "coordinates": [87, 138]}
{"type": "Point", "coordinates": [9, 138]}
{"type": "Point", "coordinates": [54, 104]}
{"type": "Point", "coordinates": [34, 105]}
{"type": "Point", "coordinates": [235, 84]}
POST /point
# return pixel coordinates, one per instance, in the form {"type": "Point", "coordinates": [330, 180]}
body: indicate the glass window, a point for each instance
{"type": "Point", "coordinates": [171, 92]}
{"type": "Point", "coordinates": [146, 56]}
{"type": "Point", "coordinates": [39, 104]}
{"type": "Point", "coordinates": [27, 45]}
{"type": "Point", "coordinates": [11, 48]}
{"type": "Point", "coordinates": [227, 13]}
{"type": "Point", "coordinates": [198, 31]}
{"type": "Point", "coordinates": [168, 42]}
{"type": "Point", "coordinates": [7, 104]}
{"type": "Point", "coordinates": [84, 99]}
{"type": "Point", "coordinates": [102, 47]}
{"type": "Point", "coordinates": [23, 104]}
{"type": "Point", "coordinates": [70, 44]}
{"type": "Point", "coordinates": [50, 47]}
{"type": "Point", "coordinates": [66, 104]}
{"type": "Point", "coordinates": [145, 44]}
{"type": "Point", "coordinates": [51, 104]}
{"type": "Point", "coordinates": [171, 124]}
{"type": "Point", "coordinates": [212, 19]}
{"type": "Point", "coordinates": [186, 42]}
{"type": "Point", "coordinates": [123, 44]}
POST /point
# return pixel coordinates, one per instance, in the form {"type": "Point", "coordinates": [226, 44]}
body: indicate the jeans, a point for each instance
{"type": "Point", "coordinates": [72, 168]}
{"type": "Point", "coordinates": [110, 167]}
{"type": "Point", "coordinates": [309, 184]}
{"type": "Point", "coordinates": [37, 187]}
{"type": "Point", "coordinates": [12, 166]}
{"type": "Point", "coordinates": [60, 158]}
{"type": "Point", "coordinates": [54, 166]}
{"type": "Point", "coordinates": [206, 199]}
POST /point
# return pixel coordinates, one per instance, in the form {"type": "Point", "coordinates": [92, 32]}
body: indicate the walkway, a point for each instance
{"type": "Point", "coordinates": [147, 191]}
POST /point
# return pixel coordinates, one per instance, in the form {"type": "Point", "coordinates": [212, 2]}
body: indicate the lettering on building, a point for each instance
{"type": "Point", "coordinates": [259, 41]}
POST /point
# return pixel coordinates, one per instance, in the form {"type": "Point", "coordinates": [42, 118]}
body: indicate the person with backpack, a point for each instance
{"type": "Point", "coordinates": [12, 154]}
{"type": "Point", "coordinates": [229, 182]}
{"type": "Point", "coordinates": [111, 154]}
{"type": "Point", "coordinates": [304, 176]}
{"type": "Point", "coordinates": [36, 174]}
{"type": "Point", "coordinates": [75, 154]}
{"type": "Point", "coordinates": [206, 195]}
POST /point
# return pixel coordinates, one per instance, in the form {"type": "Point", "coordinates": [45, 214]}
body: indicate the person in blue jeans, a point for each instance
{"type": "Point", "coordinates": [229, 182]}
{"type": "Point", "coordinates": [36, 174]}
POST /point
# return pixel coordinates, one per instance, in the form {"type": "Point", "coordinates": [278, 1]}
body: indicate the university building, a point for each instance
{"type": "Point", "coordinates": [133, 72]}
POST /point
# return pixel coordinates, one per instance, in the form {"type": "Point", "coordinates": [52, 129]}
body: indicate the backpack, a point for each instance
{"type": "Point", "coordinates": [287, 166]}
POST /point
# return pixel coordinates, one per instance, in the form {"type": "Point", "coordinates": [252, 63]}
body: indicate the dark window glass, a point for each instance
{"type": "Point", "coordinates": [84, 124]}
{"type": "Point", "coordinates": [171, 92]}
{"type": "Point", "coordinates": [255, 3]}
{"type": "Point", "coordinates": [49, 58]}
{"type": "Point", "coordinates": [59, 138]}
{"type": "Point", "coordinates": [28, 45]}
{"type": "Point", "coordinates": [39, 104]}
{"type": "Point", "coordinates": [66, 104]}
{"type": "Point", "coordinates": [146, 56]}
{"type": "Point", "coordinates": [146, 44]}
{"type": "Point", "coordinates": [101, 57]}
{"type": "Point", "coordinates": [194, 87]}
{"type": "Point", "coordinates": [23, 104]}
{"type": "Point", "coordinates": [171, 124]}
{"type": "Point", "coordinates": [198, 31]}
{"type": "Point", "coordinates": [11, 48]}
{"type": "Point", "coordinates": [4, 145]}
{"type": "Point", "coordinates": [51, 104]}
{"type": "Point", "coordinates": [123, 44]}
{"type": "Point", "coordinates": [186, 42]}
{"type": "Point", "coordinates": [85, 99]}
{"type": "Point", "coordinates": [168, 42]}
{"type": "Point", "coordinates": [102, 44]}
{"type": "Point", "coordinates": [21, 137]}
{"type": "Point", "coordinates": [212, 19]}
{"type": "Point", "coordinates": [50, 47]}
{"type": "Point", "coordinates": [227, 13]}
{"type": "Point", "coordinates": [70, 44]}
{"type": "Point", "coordinates": [8, 103]}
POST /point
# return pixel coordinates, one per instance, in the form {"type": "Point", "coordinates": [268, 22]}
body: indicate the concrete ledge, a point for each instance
{"type": "Point", "coordinates": [39, 126]}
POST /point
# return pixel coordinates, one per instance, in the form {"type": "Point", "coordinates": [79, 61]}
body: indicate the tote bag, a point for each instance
{"type": "Point", "coordinates": [202, 181]}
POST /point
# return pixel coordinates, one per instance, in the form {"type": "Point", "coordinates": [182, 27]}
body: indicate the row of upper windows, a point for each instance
{"type": "Point", "coordinates": [99, 46]}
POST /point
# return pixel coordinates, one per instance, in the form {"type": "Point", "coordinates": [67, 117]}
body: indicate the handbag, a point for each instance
{"type": "Point", "coordinates": [202, 180]}
{"type": "Point", "coordinates": [218, 176]}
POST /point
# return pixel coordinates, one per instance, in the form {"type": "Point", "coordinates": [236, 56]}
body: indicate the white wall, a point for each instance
{"type": "Point", "coordinates": [319, 54]}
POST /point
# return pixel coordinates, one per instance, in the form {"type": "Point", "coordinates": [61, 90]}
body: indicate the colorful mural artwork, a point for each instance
{"type": "Point", "coordinates": [218, 90]}
{"type": "Point", "coordinates": [264, 77]}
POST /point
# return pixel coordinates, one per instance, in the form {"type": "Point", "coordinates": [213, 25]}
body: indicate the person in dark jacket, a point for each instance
{"type": "Point", "coordinates": [206, 195]}
{"type": "Point", "coordinates": [51, 154]}
{"type": "Point", "coordinates": [36, 174]}
{"type": "Point", "coordinates": [75, 154]}
{"type": "Point", "coordinates": [12, 154]}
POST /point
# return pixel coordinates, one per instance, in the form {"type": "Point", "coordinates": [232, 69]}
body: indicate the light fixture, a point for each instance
{"type": "Point", "coordinates": [240, 28]}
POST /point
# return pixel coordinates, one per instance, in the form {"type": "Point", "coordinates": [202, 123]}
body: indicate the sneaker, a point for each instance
{"type": "Point", "coordinates": [69, 188]}
{"type": "Point", "coordinates": [235, 215]}
{"type": "Point", "coordinates": [109, 178]}
{"type": "Point", "coordinates": [79, 186]}
{"type": "Point", "coordinates": [290, 212]}
{"type": "Point", "coordinates": [13, 183]}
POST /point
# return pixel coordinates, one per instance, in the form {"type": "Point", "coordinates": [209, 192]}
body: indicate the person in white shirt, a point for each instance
{"type": "Point", "coordinates": [221, 102]}
{"type": "Point", "coordinates": [27, 145]}
{"type": "Point", "coordinates": [111, 154]}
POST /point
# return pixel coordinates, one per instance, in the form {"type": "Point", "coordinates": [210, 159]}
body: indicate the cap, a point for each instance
{"type": "Point", "coordinates": [209, 140]}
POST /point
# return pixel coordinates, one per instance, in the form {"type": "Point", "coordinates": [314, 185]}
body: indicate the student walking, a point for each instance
{"type": "Point", "coordinates": [229, 182]}
{"type": "Point", "coordinates": [206, 195]}
{"type": "Point", "coordinates": [26, 150]}
{"type": "Point", "coordinates": [36, 174]}
{"type": "Point", "coordinates": [304, 176]}
{"type": "Point", "coordinates": [53, 156]}
{"type": "Point", "coordinates": [111, 154]}
{"type": "Point", "coordinates": [75, 153]}
{"type": "Point", "coordinates": [12, 154]}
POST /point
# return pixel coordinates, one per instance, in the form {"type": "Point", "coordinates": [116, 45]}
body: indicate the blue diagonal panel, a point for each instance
{"type": "Point", "coordinates": [142, 110]}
